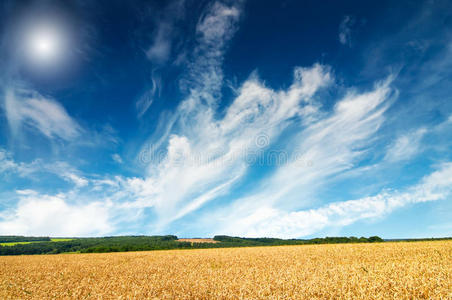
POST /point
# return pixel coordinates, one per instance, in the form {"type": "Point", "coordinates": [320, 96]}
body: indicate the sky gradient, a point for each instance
{"type": "Point", "coordinates": [252, 118]}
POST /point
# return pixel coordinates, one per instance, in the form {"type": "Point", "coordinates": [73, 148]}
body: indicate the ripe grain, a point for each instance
{"type": "Point", "coordinates": [414, 270]}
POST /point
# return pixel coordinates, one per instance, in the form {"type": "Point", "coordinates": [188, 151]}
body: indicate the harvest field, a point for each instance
{"type": "Point", "coordinates": [360, 271]}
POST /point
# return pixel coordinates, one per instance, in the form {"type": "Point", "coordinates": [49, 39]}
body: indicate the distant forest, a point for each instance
{"type": "Point", "coordinates": [18, 239]}
{"type": "Point", "coordinates": [44, 245]}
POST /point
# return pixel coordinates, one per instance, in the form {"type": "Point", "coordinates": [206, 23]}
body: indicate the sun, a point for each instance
{"type": "Point", "coordinates": [45, 45]}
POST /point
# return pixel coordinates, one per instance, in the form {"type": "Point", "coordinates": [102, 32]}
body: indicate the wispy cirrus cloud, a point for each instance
{"type": "Point", "coordinates": [22, 169]}
{"type": "Point", "coordinates": [204, 181]}
{"type": "Point", "coordinates": [32, 169]}
{"type": "Point", "coordinates": [214, 29]}
{"type": "Point", "coordinates": [161, 50]}
{"type": "Point", "coordinates": [330, 144]}
{"type": "Point", "coordinates": [145, 101]}
{"type": "Point", "coordinates": [6, 163]}
{"type": "Point", "coordinates": [28, 109]}
{"type": "Point", "coordinates": [270, 221]}
{"type": "Point", "coordinates": [165, 28]}
{"type": "Point", "coordinates": [220, 146]}
{"type": "Point", "coordinates": [405, 146]}
{"type": "Point", "coordinates": [345, 30]}
{"type": "Point", "coordinates": [117, 158]}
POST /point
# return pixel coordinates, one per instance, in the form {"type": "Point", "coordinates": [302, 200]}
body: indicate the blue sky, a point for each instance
{"type": "Point", "coordinates": [251, 118]}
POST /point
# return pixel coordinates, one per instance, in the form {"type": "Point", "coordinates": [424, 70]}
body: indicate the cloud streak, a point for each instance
{"type": "Point", "coordinates": [161, 47]}
{"type": "Point", "coordinates": [269, 221]}
{"type": "Point", "coordinates": [31, 110]}
{"type": "Point", "coordinates": [345, 30]}
{"type": "Point", "coordinates": [406, 146]}
{"type": "Point", "coordinates": [32, 169]}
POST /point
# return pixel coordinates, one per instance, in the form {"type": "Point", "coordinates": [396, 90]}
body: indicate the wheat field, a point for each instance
{"type": "Point", "coordinates": [413, 270]}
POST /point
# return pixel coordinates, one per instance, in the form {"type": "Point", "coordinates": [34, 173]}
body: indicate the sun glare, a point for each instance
{"type": "Point", "coordinates": [44, 45]}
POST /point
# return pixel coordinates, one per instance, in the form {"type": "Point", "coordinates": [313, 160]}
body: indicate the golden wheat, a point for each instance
{"type": "Point", "coordinates": [414, 270]}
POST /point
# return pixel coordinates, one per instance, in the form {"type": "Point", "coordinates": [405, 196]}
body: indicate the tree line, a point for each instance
{"type": "Point", "coordinates": [18, 238]}
{"type": "Point", "coordinates": [276, 241]}
{"type": "Point", "coordinates": [146, 243]}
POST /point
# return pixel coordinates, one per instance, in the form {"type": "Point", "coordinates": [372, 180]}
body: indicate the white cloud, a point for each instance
{"type": "Point", "coordinates": [345, 30]}
{"type": "Point", "coordinates": [6, 162]}
{"type": "Point", "coordinates": [24, 169]}
{"type": "Point", "coordinates": [328, 146]}
{"type": "Point", "coordinates": [214, 30]}
{"type": "Point", "coordinates": [117, 158]}
{"type": "Point", "coordinates": [270, 221]}
{"type": "Point", "coordinates": [218, 23]}
{"type": "Point", "coordinates": [209, 155]}
{"type": "Point", "coordinates": [66, 172]}
{"type": "Point", "coordinates": [26, 192]}
{"type": "Point", "coordinates": [146, 100]}
{"type": "Point", "coordinates": [77, 180]}
{"type": "Point", "coordinates": [33, 111]}
{"type": "Point", "coordinates": [175, 180]}
{"type": "Point", "coordinates": [52, 215]}
{"type": "Point", "coordinates": [406, 146]}
{"type": "Point", "coordinates": [160, 49]}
